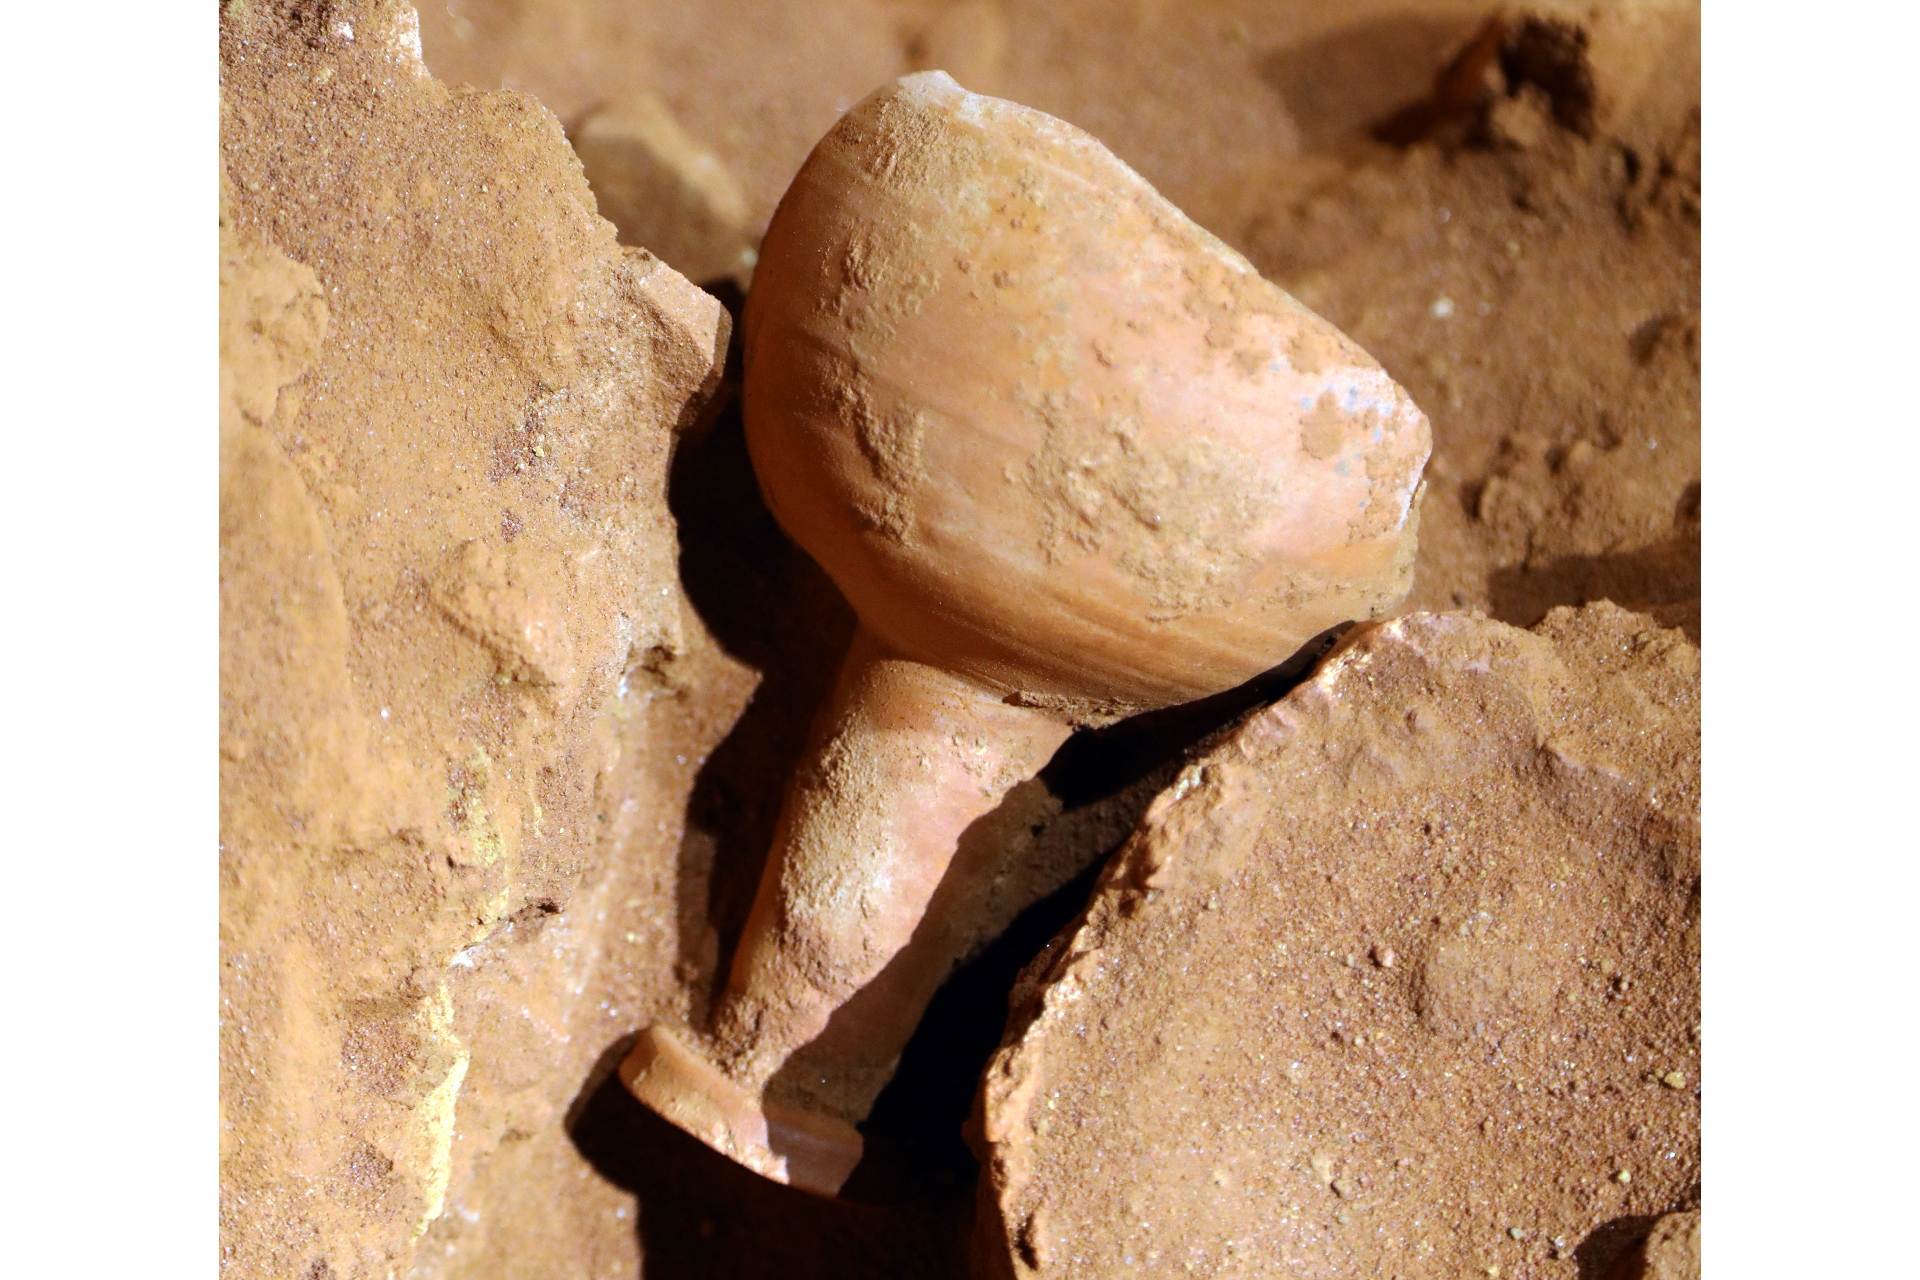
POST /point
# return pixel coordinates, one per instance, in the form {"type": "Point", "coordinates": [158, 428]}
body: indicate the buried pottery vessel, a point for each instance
{"type": "Point", "coordinates": [1069, 458]}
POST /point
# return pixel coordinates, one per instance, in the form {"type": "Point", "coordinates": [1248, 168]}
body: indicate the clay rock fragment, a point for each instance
{"type": "Point", "coordinates": [1401, 978]}
{"type": "Point", "coordinates": [509, 616]}
{"type": "Point", "coordinates": [664, 191]}
{"type": "Point", "coordinates": [448, 402]}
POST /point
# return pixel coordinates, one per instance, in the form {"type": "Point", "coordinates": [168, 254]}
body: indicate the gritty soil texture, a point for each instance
{"type": "Point", "coordinates": [1402, 978]}
{"type": "Point", "coordinates": [515, 663]}
{"type": "Point", "coordinates": [453, 648]}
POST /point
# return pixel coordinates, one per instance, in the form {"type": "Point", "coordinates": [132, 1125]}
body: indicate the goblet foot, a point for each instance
{"type": "Point", "coordinates": [805, 1149]}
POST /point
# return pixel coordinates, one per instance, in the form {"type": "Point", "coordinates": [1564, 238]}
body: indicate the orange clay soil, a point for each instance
{"type": "Point", "coordinates": [516, 665]}
{"type": "Point", "coordinates": [1401, 978]}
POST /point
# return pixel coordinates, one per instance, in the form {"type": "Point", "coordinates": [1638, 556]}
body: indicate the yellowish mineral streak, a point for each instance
{"type": "Point", "coordinates": [433, 1118]}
